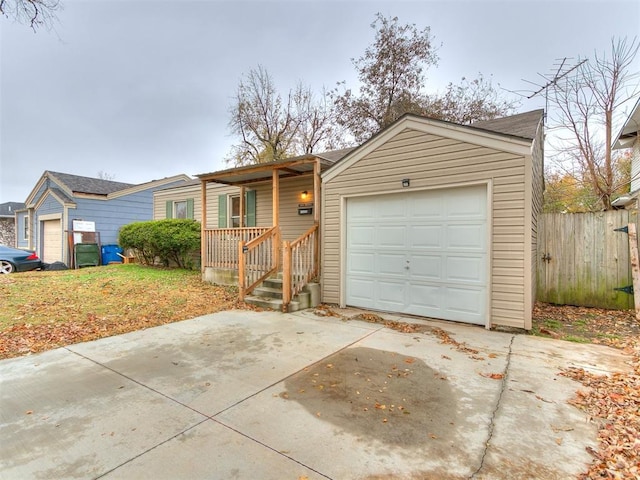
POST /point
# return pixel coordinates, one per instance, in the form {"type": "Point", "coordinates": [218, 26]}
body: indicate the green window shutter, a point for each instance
{"type": "Point", "coordinates": [250, 205]}
{"type": "Point", "coordinates": [169, 207]}
{"type": "Point", "coordinates": [222, 211]}
{"type": "Point", "coordinates": [190, 208]}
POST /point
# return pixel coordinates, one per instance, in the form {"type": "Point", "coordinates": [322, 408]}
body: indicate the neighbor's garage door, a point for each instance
{"type": "Point", "coordinates": [422, 253]}
{"type": "Point", "coordinates": [51, 241]}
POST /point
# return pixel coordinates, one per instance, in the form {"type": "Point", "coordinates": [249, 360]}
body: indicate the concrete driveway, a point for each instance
{"type": "Point", "coordinates": [264, 395]}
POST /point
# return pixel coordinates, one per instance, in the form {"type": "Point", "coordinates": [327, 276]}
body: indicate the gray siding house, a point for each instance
{"type": "Point", "coordinates": [60, 198]}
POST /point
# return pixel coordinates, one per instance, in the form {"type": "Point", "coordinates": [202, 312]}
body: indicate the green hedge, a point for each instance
{"type": "Point", "coordinates": [171, 240]}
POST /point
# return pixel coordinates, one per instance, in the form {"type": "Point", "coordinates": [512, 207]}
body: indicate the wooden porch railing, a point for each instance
{"type": "Point", "coordinates": [299, 264]}
{"type": "Point", "coordinates": [221, 245]}
{"type": "Point", "coordinates": [259, 258]}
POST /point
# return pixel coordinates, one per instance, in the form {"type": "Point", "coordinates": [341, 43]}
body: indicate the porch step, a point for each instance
{"type": "Point", "coordinates": [269, 292]}
{"type": "Point", "coordinates": [273, 282]}
{"type": "Point", "coordinates": [271, 303]}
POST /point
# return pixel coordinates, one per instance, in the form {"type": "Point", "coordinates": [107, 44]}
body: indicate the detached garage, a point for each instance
{"type": "Point", "coordinates": [436, 219]}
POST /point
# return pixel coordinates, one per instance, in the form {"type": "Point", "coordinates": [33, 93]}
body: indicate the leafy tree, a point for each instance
{"type": "Point", "coordinates": [35, 13]}
{"type": "Point", "coordinates": [571, 192]}
{"type": "Point", "coordinates": [392, 82]}
{"type": "Point", "coordinates": [583, 110]}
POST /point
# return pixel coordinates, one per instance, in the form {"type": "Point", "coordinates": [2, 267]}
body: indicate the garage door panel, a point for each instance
{"type": "Point", "coordinates": [469, 304]}
{"type": "Point", "coordinates": [359, 290]}
{"type": "Point", "coordinates": [469, 237]}
{"type": "Point", "coordinates": [361, 236]}
{"type": "Point", "coordinates": [391, 264]}
{"type": "Point", "coordinates": [428, 207]}
{"type": "Point", "coordinates": [465, 269]}
{"type": "Point", "coordinates": [468, 202]}
{"type": "Point", "coordinates": [51, 241]}
{"type": "Point", "coordinates": [423, 253]}
{"type": "Point", "coordinates": [425, 267]}
{"type": "Point", "coordinates": [360, 263]}
{"type": "Point", "coordinates": [392, 236]}
{"type": "Point", "coordinates": [391, 293]}
{"type": "Point", "coordinates": [425, 299]}
{"type": "Point", "coordinates": [394, 207]}
{"type": "Point", "coordinates": [425, 236]}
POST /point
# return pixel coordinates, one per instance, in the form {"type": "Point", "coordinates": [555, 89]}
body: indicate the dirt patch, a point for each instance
{"type": "Point", "coordinates": [585, 325]}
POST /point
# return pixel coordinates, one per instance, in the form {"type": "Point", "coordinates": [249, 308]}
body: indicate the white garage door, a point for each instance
{"type": "Point", "coordinates": [51, 241]}
{"type": "Point", "coordinates": [422, 253]}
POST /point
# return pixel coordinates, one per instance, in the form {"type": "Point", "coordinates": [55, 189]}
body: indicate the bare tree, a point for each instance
{"type": "Point", "coordinates": [35, 13]}
{"type": "Point", "coordinates": [102, 175]}
{"type": "Point", "coordinates": [468, 101]}
{"type": "Point", "coordinates": [583, 106]}
{"type": "Point", "coordinates": [271, 126]}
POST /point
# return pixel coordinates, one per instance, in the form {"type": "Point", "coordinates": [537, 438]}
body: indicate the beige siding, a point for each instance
{"type": "Point", "coordinates": [180, 194]}
{"type": "Point", "coordinates": [292, 225]}
{"type": "Point", "coordinates": [537, 192]}
{"type": "Point", "coordinates": [431, 161]}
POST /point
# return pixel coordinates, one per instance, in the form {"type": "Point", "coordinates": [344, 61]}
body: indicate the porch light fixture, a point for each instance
{"type": "Point", "coordinates": [406, 182]}
{"type": "Point", "coordinates": [304, 195]}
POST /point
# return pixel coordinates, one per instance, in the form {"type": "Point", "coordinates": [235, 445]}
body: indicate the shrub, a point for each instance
{"type": "Point", "coordinates": [171, 240]}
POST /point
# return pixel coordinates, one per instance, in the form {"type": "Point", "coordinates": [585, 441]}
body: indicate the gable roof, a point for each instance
{"type": "Point", "coordinates": [523, 125]}
{"type": "Point", "coordinates": [96, 186]}
{"type": "Point", "coordinates": [629, 131]}
{"type": "Point", "coordinates": [514, 134]}
{"type": "Point", "coordinates": [8, 209]}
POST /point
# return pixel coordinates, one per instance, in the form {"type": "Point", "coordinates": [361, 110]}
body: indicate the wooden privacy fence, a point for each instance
{"type": "Point", "coordinates": [582, 259]}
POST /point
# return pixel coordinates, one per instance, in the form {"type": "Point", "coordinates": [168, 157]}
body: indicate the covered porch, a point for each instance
{"type": "Point", "coordinates": [263, 220]}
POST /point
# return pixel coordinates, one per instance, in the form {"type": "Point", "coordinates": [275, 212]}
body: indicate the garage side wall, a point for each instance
{"type": "Point", "coordinates": [431, 161]}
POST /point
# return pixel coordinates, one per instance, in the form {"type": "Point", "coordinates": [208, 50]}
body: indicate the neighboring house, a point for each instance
{"type": "Point", "coordinates": [428, 218]}
{"type": "Point", "coordinates": [629, 137]}
{"type": "Point", "coordinates": [60, 198]}
{"type": "Point", "coordinates": [8, 223]}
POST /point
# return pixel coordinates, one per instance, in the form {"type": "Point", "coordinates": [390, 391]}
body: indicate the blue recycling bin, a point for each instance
{"type": "Point", "coordinates": [110, 254]}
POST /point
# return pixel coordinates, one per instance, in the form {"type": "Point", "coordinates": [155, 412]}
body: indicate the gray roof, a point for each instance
{"type": "Point", "coordinates": [630, 129]}
{"type": "Point", "coordinates": [334, 155]}
{"type": "Point", "coordinates": [78, 184]}
{"type": "Point", "coordinates": [524, 125]}
{"type": "Point", "coordinates": [8, 209]}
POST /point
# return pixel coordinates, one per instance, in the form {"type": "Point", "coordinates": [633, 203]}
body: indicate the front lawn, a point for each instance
{"type": "Point", "coordinates": [44, 310]}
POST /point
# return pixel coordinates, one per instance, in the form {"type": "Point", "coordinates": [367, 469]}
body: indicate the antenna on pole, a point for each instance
{"type": "Point", "coordinates": [561, 71]}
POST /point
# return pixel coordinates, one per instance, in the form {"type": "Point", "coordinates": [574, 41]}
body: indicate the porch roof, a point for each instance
{"type": "Point", "coordinates": [289, 167]}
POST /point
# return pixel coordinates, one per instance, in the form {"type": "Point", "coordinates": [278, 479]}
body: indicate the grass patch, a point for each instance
{"type": "Point", "coordinates": [576, 339]}
{"type": "Point", "coordinates": [552, 324]}
{"type": "Point", "coordinates": [43, 310]}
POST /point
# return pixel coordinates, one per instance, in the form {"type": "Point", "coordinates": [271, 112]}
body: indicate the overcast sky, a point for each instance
{"type": "Point", "coordinates": [141, 89]}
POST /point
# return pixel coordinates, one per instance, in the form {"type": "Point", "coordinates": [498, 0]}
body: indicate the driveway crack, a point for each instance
{"type": "Point", "coordinates": [503, 387]}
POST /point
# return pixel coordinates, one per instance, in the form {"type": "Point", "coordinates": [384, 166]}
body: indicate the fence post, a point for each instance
{"type": "Point", "coordinates": [241, 265]}
{"type": "Point", "coordinates": [286, 275]}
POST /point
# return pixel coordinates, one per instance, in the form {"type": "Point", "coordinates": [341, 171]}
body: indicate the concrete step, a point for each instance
{"type": "Point", "coordinates": [270, 303]}
{"type": "Point", "coordinates": [272, 282]}
{"type": "Point", "coordinates": [268, 292]}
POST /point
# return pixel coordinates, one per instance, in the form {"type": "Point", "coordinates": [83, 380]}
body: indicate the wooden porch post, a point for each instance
{"type": "Point", "coordinates": [276, 198]}
{"type": "Point", "coordinates": [241, 206]}
{"type": "Point", "coordinates": [316, 191]}
{"type": "Point", "coordinates": [286, 276]}
{"type": "Point", "coordinates": [203, 225]}
{"type": "Point", "coordinates": [241, 285]}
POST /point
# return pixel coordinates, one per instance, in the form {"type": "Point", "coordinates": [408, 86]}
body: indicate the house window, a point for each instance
{"type": "Point", "coordinates": [229, 210]}
{"type": "Point", "coordinates": [180, 209]}
{"type": "Point", "coordinates": [25, 228]}
{"type": "Point", "coordinates": [234, 211]}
